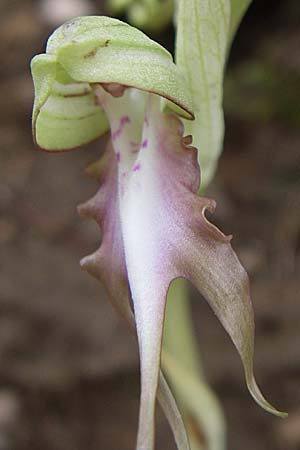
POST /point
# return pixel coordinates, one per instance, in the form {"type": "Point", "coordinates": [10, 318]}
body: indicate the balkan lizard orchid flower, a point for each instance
{"type": "Point", "coordinates": [99, 74]}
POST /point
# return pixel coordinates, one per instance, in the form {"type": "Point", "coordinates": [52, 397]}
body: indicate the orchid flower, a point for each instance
{"type": "Point", "coordinates": [100, 74]}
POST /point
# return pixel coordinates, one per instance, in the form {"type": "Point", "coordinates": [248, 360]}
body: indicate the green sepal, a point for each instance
{"type": "Point", "coordinates": [104, 50]}
{"type": "Point", "coordinates": [65, 113]}
{"type": "Point", "coordinates": [43, 69]}
{"type": "Point", "coordinates": [92, 50]}
{"type": "Point", "coordinates": [68, 122]}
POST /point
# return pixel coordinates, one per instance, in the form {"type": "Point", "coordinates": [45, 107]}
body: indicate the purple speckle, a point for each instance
{"type": "Point", "coordinates": [145, 143]}
{"type": "Point", "coordinates": [117, 133]}
{"type": "Point", "coordinates": [118, 156]}
{"type": "Point", "coordinates": [137, 167]}
{"type": "Point", "coordinates": [124, 120]}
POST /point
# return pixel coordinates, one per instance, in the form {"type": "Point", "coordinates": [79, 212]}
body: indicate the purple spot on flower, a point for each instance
{"type": "Point", "coordinates": [145, 143]}
{"type": "Point", "coordinates": [136, 167]}
{"type": "Point", "coordinates": [117, 133]}
{"type": "Point", "coordinates": [118, 156]}
{"type": "Point", "coordinates": [124, 120]}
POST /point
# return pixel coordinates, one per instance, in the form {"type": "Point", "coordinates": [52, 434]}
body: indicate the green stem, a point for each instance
{"type": "Point", "coordinates": [181, 363]}
{"type": "Point", "coordinates": [179, 339]}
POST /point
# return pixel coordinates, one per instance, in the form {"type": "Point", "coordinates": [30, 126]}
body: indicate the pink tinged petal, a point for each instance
{"type": "Point", "coordinates": [129, 131]}
{"type": "Point", "coordinates": [213, 267]}
{"type": "Point", "coordinates": [108, 265]}
{"type": "Point", "coordinates": [166, 235]}
{"type": "Point", "coordinates": [115, 89]}
{"type": "Point", "coordinates": [125, 115]}
{"type": "Point", "coordinates": [117, 134]}
{"type": "Point", "coordinates": [145, 217]}
{"type": "Point", "coordinates": [108, 262]}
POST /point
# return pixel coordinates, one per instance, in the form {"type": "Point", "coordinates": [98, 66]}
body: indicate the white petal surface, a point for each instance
{"type": "Point", "coordinates": [166, 235]}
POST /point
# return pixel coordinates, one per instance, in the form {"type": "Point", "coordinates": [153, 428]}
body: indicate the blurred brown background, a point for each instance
{"type": "Point", "coordinates": [69, 371]}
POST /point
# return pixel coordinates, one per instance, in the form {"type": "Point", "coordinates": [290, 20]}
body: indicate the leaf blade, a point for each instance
{"type": "Point", "coordinates": [201, 48]}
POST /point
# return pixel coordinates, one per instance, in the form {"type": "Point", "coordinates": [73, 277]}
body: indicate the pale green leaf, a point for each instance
{"type": "Point", "coordinates": [169, 406]}
{"type": "Point", "coordinates": [238, 9]}
{"type": "Point", "coordinates": [198, 403]}
{"type": "Point", "coordinates": [201, 47]}
{"type": "Point", "coordinates": [205, 29]}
